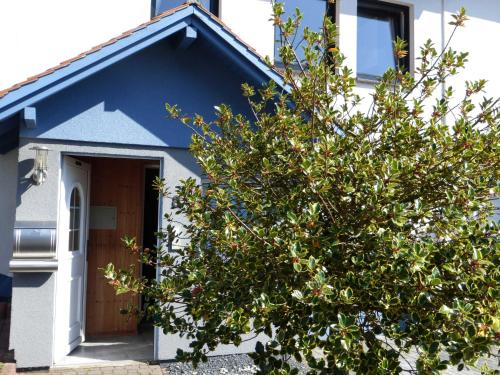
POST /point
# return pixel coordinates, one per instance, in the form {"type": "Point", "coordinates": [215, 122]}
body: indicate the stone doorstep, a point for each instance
{"type": "Point", "coordinates": [124, 363]}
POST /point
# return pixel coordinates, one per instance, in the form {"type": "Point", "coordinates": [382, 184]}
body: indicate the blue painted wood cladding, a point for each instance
{"type": "Point", "coordinates": [29, 117]}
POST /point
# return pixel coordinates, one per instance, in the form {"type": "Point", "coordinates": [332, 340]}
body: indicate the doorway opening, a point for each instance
{"type": "Point", "coordinates": [150, 227]}
{"type": "Point", "coordinates": [122, 202]}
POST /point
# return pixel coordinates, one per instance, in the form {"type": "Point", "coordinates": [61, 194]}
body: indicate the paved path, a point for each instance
{"type": "Point", "coordinates": [6, 356]}
{"type": "Point", "coordinates": [142, 369]}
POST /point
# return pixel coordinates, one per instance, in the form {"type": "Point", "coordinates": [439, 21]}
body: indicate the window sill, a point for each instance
{"type": "Point", "coordinates": [368, 80]}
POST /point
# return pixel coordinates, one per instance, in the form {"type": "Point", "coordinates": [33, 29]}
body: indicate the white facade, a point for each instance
{"type": "Point", "coordinates": [36, 35]}
{"type": "Point", "coordinates": [428, 20]}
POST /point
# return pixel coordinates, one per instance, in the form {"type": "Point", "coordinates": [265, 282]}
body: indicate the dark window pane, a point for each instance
{"type": "Point", "coordinates": [74, 220]}
{"type": "Point", "coordinates": [375, 44]}
{"type": "Point", "coordinates": [75, 217]}
{"type": "Point", "coordinates": [75, 198]}
{"type": "Point", "coordinates": [206, 3]}
{"type": "Point", "coordinates": [76, 240]}
{"type": "Point", "coordinates": [164, 5]}
{"type": "Point", "coordinates": [313, 12]}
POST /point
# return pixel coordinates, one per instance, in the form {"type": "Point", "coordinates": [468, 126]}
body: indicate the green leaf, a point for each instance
{"type": "Point", "coordinates": [477, 254]}
{"type": "Point", "coordinates": [297, 294]}
{"type": "Point", "coordinates": [292, 218]}
{"type": "Point", "coordinates": [311, 263]}
{"type": "Point", "coordinates": [297, 267]}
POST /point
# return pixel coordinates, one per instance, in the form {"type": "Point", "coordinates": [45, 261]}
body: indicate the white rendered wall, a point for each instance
{"type": "Point", "coordinates": [480, 38]}
{"type": "Point", "coordinates": [36, 35]}
{"type": "Point", "coordinates": [249, 19]}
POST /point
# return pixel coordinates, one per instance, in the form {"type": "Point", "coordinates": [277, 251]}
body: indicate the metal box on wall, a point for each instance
{"type": "Point", "coordinates": [34, 247]}
{"type": "Point", "coordinates": [34, 240]}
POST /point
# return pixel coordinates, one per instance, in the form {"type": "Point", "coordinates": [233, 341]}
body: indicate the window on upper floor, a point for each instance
{"type": "Point", "coordinates": [379, 23]}
{"type": "Point", "coordinates": [160, 6]}
{"type": "Point", "coordinates": [313, 12]}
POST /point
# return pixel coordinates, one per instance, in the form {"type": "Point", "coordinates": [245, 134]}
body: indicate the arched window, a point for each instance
{"type": "Point", "coordinates": [74, 220]}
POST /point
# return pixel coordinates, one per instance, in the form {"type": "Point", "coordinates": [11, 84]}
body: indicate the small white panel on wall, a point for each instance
{"type": "Point", "coordinates": [102, 217]}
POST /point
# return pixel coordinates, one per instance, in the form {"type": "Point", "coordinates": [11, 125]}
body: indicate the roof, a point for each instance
{"type": "Point", "coordinates": [36, 88]}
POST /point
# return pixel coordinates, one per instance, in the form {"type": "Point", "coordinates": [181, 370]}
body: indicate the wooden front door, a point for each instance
{"type": "Point", "coordinates": [116, 186]}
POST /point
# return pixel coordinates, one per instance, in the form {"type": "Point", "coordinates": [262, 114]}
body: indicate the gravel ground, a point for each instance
{"type": "Point", "coordinates": [240, 364]}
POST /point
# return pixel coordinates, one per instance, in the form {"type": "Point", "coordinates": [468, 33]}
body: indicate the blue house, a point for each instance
{"type": "Point", "coordinates": [90, 136]}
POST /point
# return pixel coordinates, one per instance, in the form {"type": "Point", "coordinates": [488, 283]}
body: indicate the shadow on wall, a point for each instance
{"type": "Point", "coordinates": [31, 280]}
{"type": "Point", "coordinates": [9, 134]}
{"type": "Point", "coordinates": [25, 183]}
{"type": "Point", "coordinates": [5, 288]}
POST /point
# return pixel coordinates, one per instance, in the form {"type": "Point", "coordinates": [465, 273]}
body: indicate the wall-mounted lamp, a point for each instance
{"type": "Point", "coordinates": [40, 171]}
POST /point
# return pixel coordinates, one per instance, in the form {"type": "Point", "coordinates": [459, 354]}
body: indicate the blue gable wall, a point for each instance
{"type": "Point", "coordinates": [125, 103]}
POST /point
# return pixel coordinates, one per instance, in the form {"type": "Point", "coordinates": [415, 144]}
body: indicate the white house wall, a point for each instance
{"type": "Point", "coordinates": [8, 188]}
{"type": "Point", "coordinates": [479, 38]}
{"type": "Point", "coordinates": [40, 34]}
{"type": "Point", "coordinates": [249, 19]}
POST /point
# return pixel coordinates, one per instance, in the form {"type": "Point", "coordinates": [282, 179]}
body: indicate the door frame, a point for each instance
{"type": "Point", "coordinates": [161, 163]}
